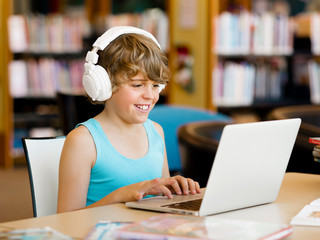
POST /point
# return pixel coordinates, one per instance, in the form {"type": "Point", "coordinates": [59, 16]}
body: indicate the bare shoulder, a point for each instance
{"type": "Point", "coordinates": [79, 145]}
{"type": "Point", "coordinates": [158, 128]}
{"type": "Point", "coordinates": [79, 135]}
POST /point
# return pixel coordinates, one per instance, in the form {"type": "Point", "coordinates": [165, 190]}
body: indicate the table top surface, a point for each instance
{"type": "Point", "coordinates": [297, 190]}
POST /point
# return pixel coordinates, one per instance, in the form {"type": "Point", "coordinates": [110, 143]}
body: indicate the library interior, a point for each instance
{"type": "Point", "coordinates": [231, 61]}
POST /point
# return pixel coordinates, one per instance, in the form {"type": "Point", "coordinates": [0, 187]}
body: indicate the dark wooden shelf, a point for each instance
{"type": "Point", "coordinates": [30, 120]}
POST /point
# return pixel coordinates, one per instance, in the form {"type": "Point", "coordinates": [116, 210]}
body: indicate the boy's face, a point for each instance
{"type": "Point", "coordinates": [135, 98]}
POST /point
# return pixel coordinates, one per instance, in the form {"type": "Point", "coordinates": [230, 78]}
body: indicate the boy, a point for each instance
{"type": "Point", "coordinates": [119, 155]}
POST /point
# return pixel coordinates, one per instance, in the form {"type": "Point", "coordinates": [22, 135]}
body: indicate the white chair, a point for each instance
{"type": "Point", "coordinates": [43, 157]}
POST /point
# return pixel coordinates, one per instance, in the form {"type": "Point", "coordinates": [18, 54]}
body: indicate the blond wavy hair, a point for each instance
{"type": "Point", "coordinates": [130, 54]}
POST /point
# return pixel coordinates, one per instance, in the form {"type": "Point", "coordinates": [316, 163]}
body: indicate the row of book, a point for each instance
{"type": "Point", "coordinates": [55, 33]}
{"type": "Point", "coordinates": [250, 33]}
{"type": "Point", "coordinates": [60, 33]}
{"type": "Point", "coordinates": [45, 77]}
{"type": "Point", "coordinates": [241, 83]}
{"type": "Point", "coordinates": [153, 20]}
{"type": "Point", "coordinates": [314, 81]}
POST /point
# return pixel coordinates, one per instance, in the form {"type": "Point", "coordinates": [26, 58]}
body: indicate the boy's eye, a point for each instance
{"type": "Point", "coordinates": [137, 85]}
{"type": "Point", "coordinates": [156, 85]}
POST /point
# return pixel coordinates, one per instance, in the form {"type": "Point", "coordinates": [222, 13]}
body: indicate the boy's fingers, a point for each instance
{"type": "Point", "coordinates": [176, 186]}
{"type": "Point", "coordinates": [154, 187]}
{"type": "Point", "coordinates": [198, 187]}
{"type": "Point", "coordinates": [165, 191]}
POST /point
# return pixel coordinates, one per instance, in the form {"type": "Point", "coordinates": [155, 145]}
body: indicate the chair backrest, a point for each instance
{"type": "Point", "coordinates": [171, 118]}
{"type": "Point", "coordinates": [43, 157]}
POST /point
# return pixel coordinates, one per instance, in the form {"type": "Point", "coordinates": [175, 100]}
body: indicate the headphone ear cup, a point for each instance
{"type": "Point", "coordinates": [90, 83]}
{"type": "Point", "coordinates": [96, 82]}
{"type": "Point", "coordinates": [161, 87]}
{"type": "Point", "coordinates": [104, 81]}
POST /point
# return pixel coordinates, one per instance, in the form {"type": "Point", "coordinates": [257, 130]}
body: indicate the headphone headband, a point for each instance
{"type": "Point", "coordinates": [105, 39]}
{"type": "Point", "coordinates": [111, 34]}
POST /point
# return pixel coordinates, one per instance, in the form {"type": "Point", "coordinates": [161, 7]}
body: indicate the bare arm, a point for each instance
{"type": "Point", "coordinates": [77, 158]}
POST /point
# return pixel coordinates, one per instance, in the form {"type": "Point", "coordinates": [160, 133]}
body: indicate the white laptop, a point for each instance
{"type": "Point", "coordinates": [248, 170]}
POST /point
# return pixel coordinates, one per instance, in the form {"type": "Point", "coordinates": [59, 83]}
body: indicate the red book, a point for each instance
{"type": "Point", "coordinates": [314, 140]}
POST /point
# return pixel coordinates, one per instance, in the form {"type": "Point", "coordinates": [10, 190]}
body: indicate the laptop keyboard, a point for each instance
{"type": "Point", "coordinates": [193, 205]}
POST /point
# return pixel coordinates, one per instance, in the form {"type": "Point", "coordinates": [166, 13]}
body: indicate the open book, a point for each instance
{"type": "Point", "coordinates": [175, 226]}
{"type": "Point", "coordinates": [309, 215]}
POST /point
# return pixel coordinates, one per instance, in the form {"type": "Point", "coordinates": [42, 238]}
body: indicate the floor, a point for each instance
{"type": "Point", "coordinates": [15, 196]}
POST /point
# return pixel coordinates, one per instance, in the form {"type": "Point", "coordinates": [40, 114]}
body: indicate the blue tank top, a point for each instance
{"type": "Point", "coordinates": [113, 170]}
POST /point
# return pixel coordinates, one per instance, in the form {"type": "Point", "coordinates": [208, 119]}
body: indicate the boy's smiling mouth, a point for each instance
{"type": "Point", "coordinates": [143, 107]}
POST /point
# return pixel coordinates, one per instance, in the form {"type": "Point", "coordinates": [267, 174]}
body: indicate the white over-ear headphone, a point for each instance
{"type": "Point", "coordinates": [95, 79]}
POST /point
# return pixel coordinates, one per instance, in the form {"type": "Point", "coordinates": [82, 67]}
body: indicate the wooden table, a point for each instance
{"type": "Point", "coordinates": [297, 191]}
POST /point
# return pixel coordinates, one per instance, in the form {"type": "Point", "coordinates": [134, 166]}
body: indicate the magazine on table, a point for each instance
{"type": "Point", "coordinates": [309, 215]}
{"type": "Point", "coordinates": [104, 230]}
{"type": "Point", "coordinates": [45, 233]}
{"type": "Point", "coordinates": [175, 226]}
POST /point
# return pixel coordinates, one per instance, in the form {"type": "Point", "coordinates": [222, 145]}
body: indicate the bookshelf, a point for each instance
{"type": "Point", "coordinates": [310, 53]}
{"type": "Point", "coordinates": [275, 67]}
{"type": "Point", "coordinates": [192, 57]}
{"type": "Point", "coordinates": [46, 55]}
{"type": "Point", "coordinates": [278, 62]}
{"type": "Point", "coordinates": [48, 52]}
{"type": "Point", "coordinates": [192, 27]}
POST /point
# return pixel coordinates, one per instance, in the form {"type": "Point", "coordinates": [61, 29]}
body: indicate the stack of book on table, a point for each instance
{"type": "Point", "coordinates": [316, 148]}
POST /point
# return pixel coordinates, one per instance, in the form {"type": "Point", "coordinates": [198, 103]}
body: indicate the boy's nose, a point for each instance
{"type": "Point", "coordinates": [149, 92]}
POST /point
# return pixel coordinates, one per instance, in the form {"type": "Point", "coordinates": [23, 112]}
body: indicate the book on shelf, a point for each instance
{"type": "Point", "coordinates": [241, 84]}
{"type": "Point", "coordinates": [174, 226]}
{"type": "Point", "coordinates": [233, 84]}
{"type": "Point", "coordinates": [18, 75]}
{"type": "Point", "coordinates": [314, 33]}
{"type": "Point", "coordinates": [45, 76]}
{"type": "Point", "coordinates": [314, 79]}
{"type": "Point", "coordinates": [17, 33]}
{"type": "Point", "coordinates": [251, 33]}
{"type": "Point", "coordinates": [309, 215]}
{"type": "Point", "coordinates": [55, 33]}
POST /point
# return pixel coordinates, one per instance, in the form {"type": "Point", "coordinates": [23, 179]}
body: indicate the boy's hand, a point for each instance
{"type": "Point", "coordinates": [184, 185]}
